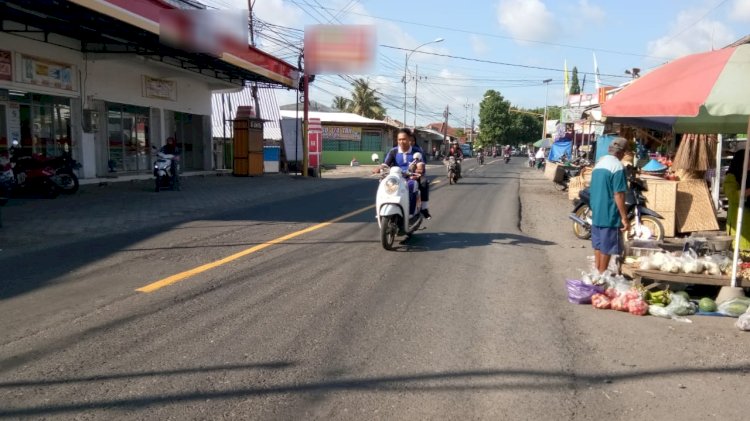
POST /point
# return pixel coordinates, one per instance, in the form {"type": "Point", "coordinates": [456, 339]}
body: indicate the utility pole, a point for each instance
{"type": "Point", "coordinates": [445, 125]}
{"type": "Point", "coordinates": [466, 114]}
{"type": "Point", "coordinates": [416, 82]}
{"type": "Point", "coordinates": [544, 121]}
{"type": "Point", "coordinates": [254, 86]}
{"type": "Point", "coordinates": [471, 133]}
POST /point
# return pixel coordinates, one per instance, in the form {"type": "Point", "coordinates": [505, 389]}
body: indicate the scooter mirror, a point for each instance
{"type": "Point", "coordinates": [375, 158]}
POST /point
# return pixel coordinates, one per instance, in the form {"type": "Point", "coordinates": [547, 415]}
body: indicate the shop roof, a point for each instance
{"type": "Point", "coordinates": [132, 27]}
{"type": "Point", "coordinates": [224, 106]}
{"type": "Point", "coordinates": [337, 117]}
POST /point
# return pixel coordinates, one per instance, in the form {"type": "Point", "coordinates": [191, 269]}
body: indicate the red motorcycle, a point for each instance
{"type": "Point", "coordinates": [36, 175]}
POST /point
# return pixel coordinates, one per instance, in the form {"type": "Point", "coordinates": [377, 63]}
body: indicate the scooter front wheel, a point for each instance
{"type": "Point", "coordinates": [581, 231]}
{"type": "Point", "coordinates": [388, 230]}
{"type": "Point", "coordinates": [651, 227]}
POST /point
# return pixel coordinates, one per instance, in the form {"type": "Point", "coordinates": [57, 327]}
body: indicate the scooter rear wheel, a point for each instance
{"type": "Point", "coordinates": [388, 230]}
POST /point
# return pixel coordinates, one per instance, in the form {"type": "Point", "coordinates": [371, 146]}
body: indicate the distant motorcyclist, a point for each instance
{"type": "Point", "coordinates": [456, 152]}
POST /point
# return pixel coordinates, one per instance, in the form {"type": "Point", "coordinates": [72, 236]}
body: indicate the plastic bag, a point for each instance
{"type": "Point", "coordinates": [690, 262]}
{"type": "Point", "coordinates": [580, 293]}
{"type": "Point", "coordinates": [743, 323]}
{"type": "Point", "coordinates": [679, 306]}
{"type": "Point", "coordinates": [711, 264]}
{"type": "Point", "coordinates": [734, 307]}
{"type": "Point", "coordinates": [670, 264]}
{"type": "Point", "coordinates": [644, 263]}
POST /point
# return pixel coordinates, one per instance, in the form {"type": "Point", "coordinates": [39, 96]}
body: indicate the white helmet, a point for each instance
{"type": "Point", "coordinates": [418, 156]}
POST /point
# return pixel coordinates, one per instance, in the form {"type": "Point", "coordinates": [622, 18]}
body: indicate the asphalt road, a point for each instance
{"type": "Point", "coordinates": [466, 320]}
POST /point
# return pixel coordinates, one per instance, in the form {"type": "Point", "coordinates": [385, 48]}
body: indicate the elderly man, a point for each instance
{"type": "Point", "coordinates": [609, 214]}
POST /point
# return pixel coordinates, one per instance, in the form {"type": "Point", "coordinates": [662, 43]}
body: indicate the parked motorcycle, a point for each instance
{"type": "Point", "coordinates": [33, 175]}
{"type": "Point", "coordinates": [65, 167]}
{"type": "Point", "coordinates": [6, 182]}
{"type": "Point", "coordinates": [397, 206]}
{"type": "Point", "coordinates": [453, 169]}
{"type": "Point", "coordinates": [568, 173]}
{"type": "Point", "coordinates": [644, 222]}
{"type": "Point", "coordinates": [166, 171]}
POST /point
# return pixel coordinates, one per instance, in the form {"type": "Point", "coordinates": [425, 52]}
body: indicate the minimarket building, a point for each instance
{"type": "Point", "coordinates": [92, 78]}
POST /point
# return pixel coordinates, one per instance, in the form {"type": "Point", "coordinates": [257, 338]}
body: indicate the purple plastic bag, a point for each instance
{"type": "Point", "coordinates": [580, 292]}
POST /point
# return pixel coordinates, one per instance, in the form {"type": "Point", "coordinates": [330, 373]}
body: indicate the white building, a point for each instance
{"type": "Point", "coordinates": [103, 87]}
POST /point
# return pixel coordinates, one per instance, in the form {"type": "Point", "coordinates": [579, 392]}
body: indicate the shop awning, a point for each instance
{"type": "Point", "coordinates": [132, 27]}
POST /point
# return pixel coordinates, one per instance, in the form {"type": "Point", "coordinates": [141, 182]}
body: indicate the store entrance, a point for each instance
{"type": "Point", "coordinates": [44, 123]}
{"type": "Point", "coordinates": [128, 140]}
{"type": "Point", "coordinates": [188, 130]}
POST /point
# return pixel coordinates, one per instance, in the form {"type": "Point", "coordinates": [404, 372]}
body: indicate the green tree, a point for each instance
{"type": "Point", "coordinates": [526, 128]}
{"type": "Point", "coordinates": [365, 102]}
{"type": "Point", "coordinates": [494, 120]}
{"type": "Point", "coordinates": [575, 87]}
{"type": "Point", "coordinates": [460, 132]}
{"type": "Point", "coordinates": [342, 104]}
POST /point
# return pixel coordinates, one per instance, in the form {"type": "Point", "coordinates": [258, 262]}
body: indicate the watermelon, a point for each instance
{"type": "Point", "coordinates": [707, 305]}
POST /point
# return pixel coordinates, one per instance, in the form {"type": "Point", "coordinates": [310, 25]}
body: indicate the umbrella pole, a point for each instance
{"type": "Point", "coordinates": [740, 212]}
{"type": "Point", "coordinates": [715, 187]}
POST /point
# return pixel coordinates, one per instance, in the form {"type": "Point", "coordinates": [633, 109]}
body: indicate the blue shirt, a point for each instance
{"type": "Point", "coordinates": [607, 179]}
{"type": "Point", "coordinates": [402, 159]}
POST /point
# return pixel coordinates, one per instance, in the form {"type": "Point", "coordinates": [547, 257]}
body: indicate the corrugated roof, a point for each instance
{"type": "Point", "coordinates": [224, 107]}
{"type": "Point", "coordinates": [333, 117]}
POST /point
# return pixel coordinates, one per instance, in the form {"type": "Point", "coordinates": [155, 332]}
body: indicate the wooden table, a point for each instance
{"type": "Point", "coordinates": [680, 278]}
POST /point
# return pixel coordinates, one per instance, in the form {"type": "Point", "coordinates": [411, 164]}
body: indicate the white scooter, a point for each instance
{"type": "Point", "coordinates": [164, 179]}
{"type": "Point", "coordinates": [394, 210]}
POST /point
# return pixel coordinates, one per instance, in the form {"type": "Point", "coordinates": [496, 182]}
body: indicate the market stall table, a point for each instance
{"type": "Point", "coordinates": [681, 278]}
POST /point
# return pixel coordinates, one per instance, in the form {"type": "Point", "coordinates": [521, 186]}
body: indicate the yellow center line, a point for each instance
{"type": "Point", "coordinates": [208, 266]}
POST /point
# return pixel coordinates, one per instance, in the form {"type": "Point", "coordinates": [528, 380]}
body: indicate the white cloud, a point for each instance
{"type": "Point", "coordinates": [685, 36]}
{"type": "Point", "coordinates": [740, 10]}
{"type": "Point", "coordinates": [478, 45]}
{"type": "Point", "coordinates": [590, 12]}
{"type": "Point", "coordinates": [528, 20]}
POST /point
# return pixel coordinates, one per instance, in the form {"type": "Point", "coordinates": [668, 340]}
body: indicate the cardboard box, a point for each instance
{"type": "Point", "coordinates": [550, 169]}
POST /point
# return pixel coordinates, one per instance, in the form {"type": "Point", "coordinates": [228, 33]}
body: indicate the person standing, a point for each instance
{"type": "Point", "coordinates": [609, 214]}
{"type": "Point", "coordinates": [732, 184]}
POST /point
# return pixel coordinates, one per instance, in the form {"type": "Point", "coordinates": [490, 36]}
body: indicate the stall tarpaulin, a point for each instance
{"type": "Point", "coordinates": [563, 147]}
{"type": "Point", "coordinates": [700, 93]}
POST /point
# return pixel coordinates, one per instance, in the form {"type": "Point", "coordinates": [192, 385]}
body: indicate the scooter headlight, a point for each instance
{"type": "Point", "coordinates": [391, 185]}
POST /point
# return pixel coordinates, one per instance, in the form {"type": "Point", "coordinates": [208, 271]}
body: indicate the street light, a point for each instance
{"type": "Point", "coordinates": [546, 96]}
{"type": "Point", "coordinates": [406, 65]}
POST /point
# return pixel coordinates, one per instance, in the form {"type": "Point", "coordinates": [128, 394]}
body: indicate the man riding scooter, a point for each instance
{"type": "Point", "coordinates": [456, 152]}
{"type": "Point", "coordinates": [408, 153]}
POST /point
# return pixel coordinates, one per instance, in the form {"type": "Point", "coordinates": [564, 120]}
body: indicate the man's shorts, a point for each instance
{"type": "Point", "coordinates": [607, 240]}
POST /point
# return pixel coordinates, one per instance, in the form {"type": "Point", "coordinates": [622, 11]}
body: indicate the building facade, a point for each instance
{"type": "Point", "coordinates": [104, 88]}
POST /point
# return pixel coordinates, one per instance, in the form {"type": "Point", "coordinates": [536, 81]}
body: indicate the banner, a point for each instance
{"type": "Point", "coordinates": [43, 72]}
{"type": "Point", "coordinates": [342, 133]}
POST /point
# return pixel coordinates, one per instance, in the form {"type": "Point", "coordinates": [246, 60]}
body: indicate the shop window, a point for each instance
{"type": "Point", "coordinates": [44, 124]}
{"type": "Point", "coordinates": [128, 139]}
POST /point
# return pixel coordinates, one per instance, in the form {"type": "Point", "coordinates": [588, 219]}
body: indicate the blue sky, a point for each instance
{"type": "Point", "coordinates": [522, 42]}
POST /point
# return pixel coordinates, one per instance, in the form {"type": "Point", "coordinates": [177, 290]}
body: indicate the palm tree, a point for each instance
{"type": "Point", "coordinates": [342, 104]}
{"type": "Point", "coordinates": [365, 102]}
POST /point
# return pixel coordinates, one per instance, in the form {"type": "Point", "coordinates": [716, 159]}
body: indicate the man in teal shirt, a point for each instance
{"type": "Point", "coordinates": [609, 214]}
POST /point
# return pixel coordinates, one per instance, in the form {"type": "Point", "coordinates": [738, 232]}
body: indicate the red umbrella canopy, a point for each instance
{"type": "Point", "coordinates": [700, 93]}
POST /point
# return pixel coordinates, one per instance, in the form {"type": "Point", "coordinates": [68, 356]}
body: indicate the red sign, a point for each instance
{"type": "Point", "coordinates": [314, 140]}
{"type": "Point", "coordinates": [6, 65]}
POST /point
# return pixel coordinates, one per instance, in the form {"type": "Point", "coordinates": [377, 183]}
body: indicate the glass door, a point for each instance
{"type": "Point", "coordinates": [128, 141]}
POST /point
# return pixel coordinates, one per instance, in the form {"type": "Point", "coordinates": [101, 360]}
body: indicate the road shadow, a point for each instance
{"type": "Point", "coordinates": [437, 241]}
{"type": "Point", "coordinates": [480, 380]}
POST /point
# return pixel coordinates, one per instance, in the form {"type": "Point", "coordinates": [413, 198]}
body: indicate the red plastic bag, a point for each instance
{"type": "Point", "coordinates": [601, 301]}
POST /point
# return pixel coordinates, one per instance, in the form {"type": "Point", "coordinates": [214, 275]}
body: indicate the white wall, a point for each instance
{"type": "Point", "coordinates": [121, 80]}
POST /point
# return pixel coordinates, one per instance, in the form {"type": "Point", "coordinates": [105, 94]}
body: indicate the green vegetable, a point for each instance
{"type": "Point", "coordinates": [707, 305]}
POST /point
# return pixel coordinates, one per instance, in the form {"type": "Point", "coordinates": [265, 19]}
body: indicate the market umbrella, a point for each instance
{"type": "Point", "coordinates": [543, 143]}
{"type": "Point", "coordinates": [700, 93]}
